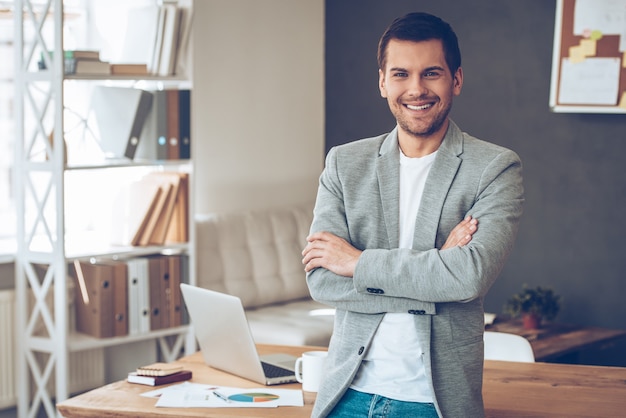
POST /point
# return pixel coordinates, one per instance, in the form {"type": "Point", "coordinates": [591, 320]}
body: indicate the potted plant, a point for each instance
{"type": "Point", "coordinates": [533, 305]}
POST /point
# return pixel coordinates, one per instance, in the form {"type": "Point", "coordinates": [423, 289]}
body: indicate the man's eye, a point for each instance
{"type": "Point", "coordinates": [400, 74]}
{"type": "Point", "coordinates": [431, 74]}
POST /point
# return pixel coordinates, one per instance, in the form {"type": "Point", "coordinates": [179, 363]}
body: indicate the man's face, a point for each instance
{"type": "Point", "coordinates": [419, 87]}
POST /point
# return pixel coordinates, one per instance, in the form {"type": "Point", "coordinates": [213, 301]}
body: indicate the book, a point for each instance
{"type": "Point", "coordinates": [180, 376]}
{"type": "Point", "coordinates": [141, 30]}
{"type": "Point", "coordinates": [170, 40]}
{"type": "Point", "coordinates": [81, 53]}
{"type": "Point", "coordinates": [129, 69]}
{"type": "Point", "coordinates": [159, 231]}
{"type": "Point", "coordinates": [69, 57]}
{"type": "Point", "coordinates": [159, 369]}
{"type": "Point", "coordinates": [157, 212]}
{"type": "Point", "coordinates": [89, 67]}
{"type": "Point", "coordinates": [132, 209]}
{"type": "Point", "coordinates": [178, 230]}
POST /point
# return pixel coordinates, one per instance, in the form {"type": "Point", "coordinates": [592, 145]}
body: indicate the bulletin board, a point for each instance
{"type": "Point", "coordinates": [589, 57]}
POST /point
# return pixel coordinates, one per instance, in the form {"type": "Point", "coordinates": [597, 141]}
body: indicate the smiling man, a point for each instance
{"type": "Point", "coordinates": [410, 231]}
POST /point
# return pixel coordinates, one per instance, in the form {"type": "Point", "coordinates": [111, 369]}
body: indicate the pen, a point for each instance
{"type": "Point", "coordinates": [222, 397]}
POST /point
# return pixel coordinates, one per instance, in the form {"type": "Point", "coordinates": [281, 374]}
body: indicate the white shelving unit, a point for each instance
{"type": "Point", "coordinates": [46, 340]}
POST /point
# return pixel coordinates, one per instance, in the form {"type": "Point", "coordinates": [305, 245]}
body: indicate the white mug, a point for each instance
{"type": "Point", "coordinates": [310, 369]}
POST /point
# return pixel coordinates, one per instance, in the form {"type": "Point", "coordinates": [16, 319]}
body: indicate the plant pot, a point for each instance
{"type": "Point", "coordinates": [531, 321]}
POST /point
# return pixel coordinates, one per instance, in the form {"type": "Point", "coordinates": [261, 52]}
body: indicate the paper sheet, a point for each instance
{"type": "Point", "coordinates": [593, 81]}
{"type": "Point", "coordinates": [195, 395]}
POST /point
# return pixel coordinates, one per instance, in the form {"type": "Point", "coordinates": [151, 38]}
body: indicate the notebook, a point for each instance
{"type": "Point", "coordinates": [225, 340]}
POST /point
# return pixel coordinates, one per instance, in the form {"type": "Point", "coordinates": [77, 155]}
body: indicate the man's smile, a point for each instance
{"type": "Point", "coordinates": [420, 107]}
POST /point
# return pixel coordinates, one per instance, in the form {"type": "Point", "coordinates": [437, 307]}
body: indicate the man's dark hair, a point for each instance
{"type": "Point", "coordinates": [419, 27]}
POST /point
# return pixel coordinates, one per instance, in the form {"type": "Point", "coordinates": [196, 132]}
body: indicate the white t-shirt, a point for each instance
{"type": "Point", "coordinates": [394, 364]}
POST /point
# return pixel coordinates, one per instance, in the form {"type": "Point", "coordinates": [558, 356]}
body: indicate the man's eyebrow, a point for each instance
{"type": "Point", "coordinates": [398, 69]}
{"type": "Point", "coordinates": [434, 68]}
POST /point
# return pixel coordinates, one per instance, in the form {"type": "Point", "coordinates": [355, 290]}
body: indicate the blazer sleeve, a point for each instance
{"type": "Point", "coordinates": [340, 291]}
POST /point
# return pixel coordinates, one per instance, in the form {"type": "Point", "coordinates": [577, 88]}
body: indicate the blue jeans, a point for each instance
{"type": "Point", "coordinates": [355, 404]}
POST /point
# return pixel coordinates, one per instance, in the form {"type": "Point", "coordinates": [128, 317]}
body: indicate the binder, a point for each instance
{"type": "Point", "coordinates": [138, 296]}
{"type": "Point", "coordinates": [174, 301]}
{"type": "Point", "coordinates": [95, 298]}
{"type": "Point", "coordinates": [173, 129]}
{"type": "Point", "coordinates": [158, 284]}
{"type": "Point", "coordinates": [153, 143]}
{"type": "Point", "coordinates": [184, 278]}
{"type": "Point", "coordinates": [116, 118]}
{"type": "Point", "coordinates": [120, 299]}
{"type": "Point", "coordinates": [184, 114]}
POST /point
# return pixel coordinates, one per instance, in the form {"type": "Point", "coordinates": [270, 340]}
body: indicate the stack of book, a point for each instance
{"type": "Point", "coordinates": [79, 62]}
{"type": "Point", "coordinates": [158, 34]}
{"type": "Point", "coordinates": [153, 210]}
{"type": "Point", "coordinates": [159, 374]}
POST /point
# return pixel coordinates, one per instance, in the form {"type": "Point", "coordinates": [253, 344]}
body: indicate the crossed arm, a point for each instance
{"type": "Point", "coordinates": [333, 253]}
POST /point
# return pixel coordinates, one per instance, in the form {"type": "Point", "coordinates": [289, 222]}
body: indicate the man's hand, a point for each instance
{"type": "Point", "coordinates": [331, 252]}
{"type": "Point", "coordinates": [462, 233]}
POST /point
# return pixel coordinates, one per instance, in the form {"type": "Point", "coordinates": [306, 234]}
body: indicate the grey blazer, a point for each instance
{"type": "Point", "coordinates": [358, 200]}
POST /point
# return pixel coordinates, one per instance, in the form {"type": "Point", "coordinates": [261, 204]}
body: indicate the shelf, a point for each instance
{"type": "Point", "coordinates": [87, 245]}
{"type": "Point", "coordinates": [127, 163]}
{"type": "Point", "coordinates": [79, 342]}
{"type": "Point", "coordinates": [70, 206]}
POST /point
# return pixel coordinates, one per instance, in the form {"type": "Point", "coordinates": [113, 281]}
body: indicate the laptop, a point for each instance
{"type": "Point", "coordinates": [223, 333]}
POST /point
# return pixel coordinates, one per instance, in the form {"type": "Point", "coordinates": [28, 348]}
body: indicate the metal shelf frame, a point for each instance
{"type": "Point", "coordinates": [46, 342]}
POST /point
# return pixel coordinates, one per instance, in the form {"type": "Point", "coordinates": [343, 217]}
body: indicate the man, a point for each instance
{"type": "Point", "coordinates": [410, 230]}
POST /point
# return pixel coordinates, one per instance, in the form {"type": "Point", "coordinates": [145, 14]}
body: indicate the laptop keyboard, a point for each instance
{"type": "Point", "coordinates": [271, 370]}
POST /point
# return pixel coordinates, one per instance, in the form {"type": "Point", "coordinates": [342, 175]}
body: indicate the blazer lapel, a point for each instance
{"type": "Point", "coordinates": [388, 171]}
{"type": "Point", "coordinates": [438, 184]}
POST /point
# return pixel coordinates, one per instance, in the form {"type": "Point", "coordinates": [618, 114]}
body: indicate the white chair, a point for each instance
{"type": "Point", "coordinates": [507, 347]}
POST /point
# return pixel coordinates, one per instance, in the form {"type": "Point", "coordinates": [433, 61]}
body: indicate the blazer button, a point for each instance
{"type": "Point", "coordinates": [417, 311]}
{"type": "Point", "coordinates": [361, 350]}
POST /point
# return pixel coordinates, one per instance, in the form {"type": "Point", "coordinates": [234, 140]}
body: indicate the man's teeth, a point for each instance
{"type": "Point", "coordinates": [413, 107]}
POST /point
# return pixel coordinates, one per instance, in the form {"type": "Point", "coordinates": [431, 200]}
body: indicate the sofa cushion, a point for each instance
{"type": "Point", "coordinates": [303, 322]}
{"type": "Point", "coordinates": [255, 255]}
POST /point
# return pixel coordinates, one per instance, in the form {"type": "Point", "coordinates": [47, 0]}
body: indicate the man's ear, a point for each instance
{"type": "Point", "coordinates": [381, 84]}
{"type": "Point", "coordinates": [458, 81]}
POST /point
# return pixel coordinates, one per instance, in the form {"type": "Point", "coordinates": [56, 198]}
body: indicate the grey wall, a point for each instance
{"type": "Point", "coordinates": [572, 236]}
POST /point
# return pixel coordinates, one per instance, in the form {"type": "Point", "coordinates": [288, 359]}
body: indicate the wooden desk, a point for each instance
{"type": "Point", "coordinates": [511, 390]}
{"type": "Point", "coordinates": [554, 340]}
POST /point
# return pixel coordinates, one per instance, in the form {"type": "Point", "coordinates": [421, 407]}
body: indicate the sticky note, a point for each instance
{"type": "Point", "coordinates": [576, 54]}
{"type": "Point", "coordinates": [588, 47]}
{"type": "Point", "coordinates": [596, 35]}
{"type": "Point", "coordinates": [622, 102]}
